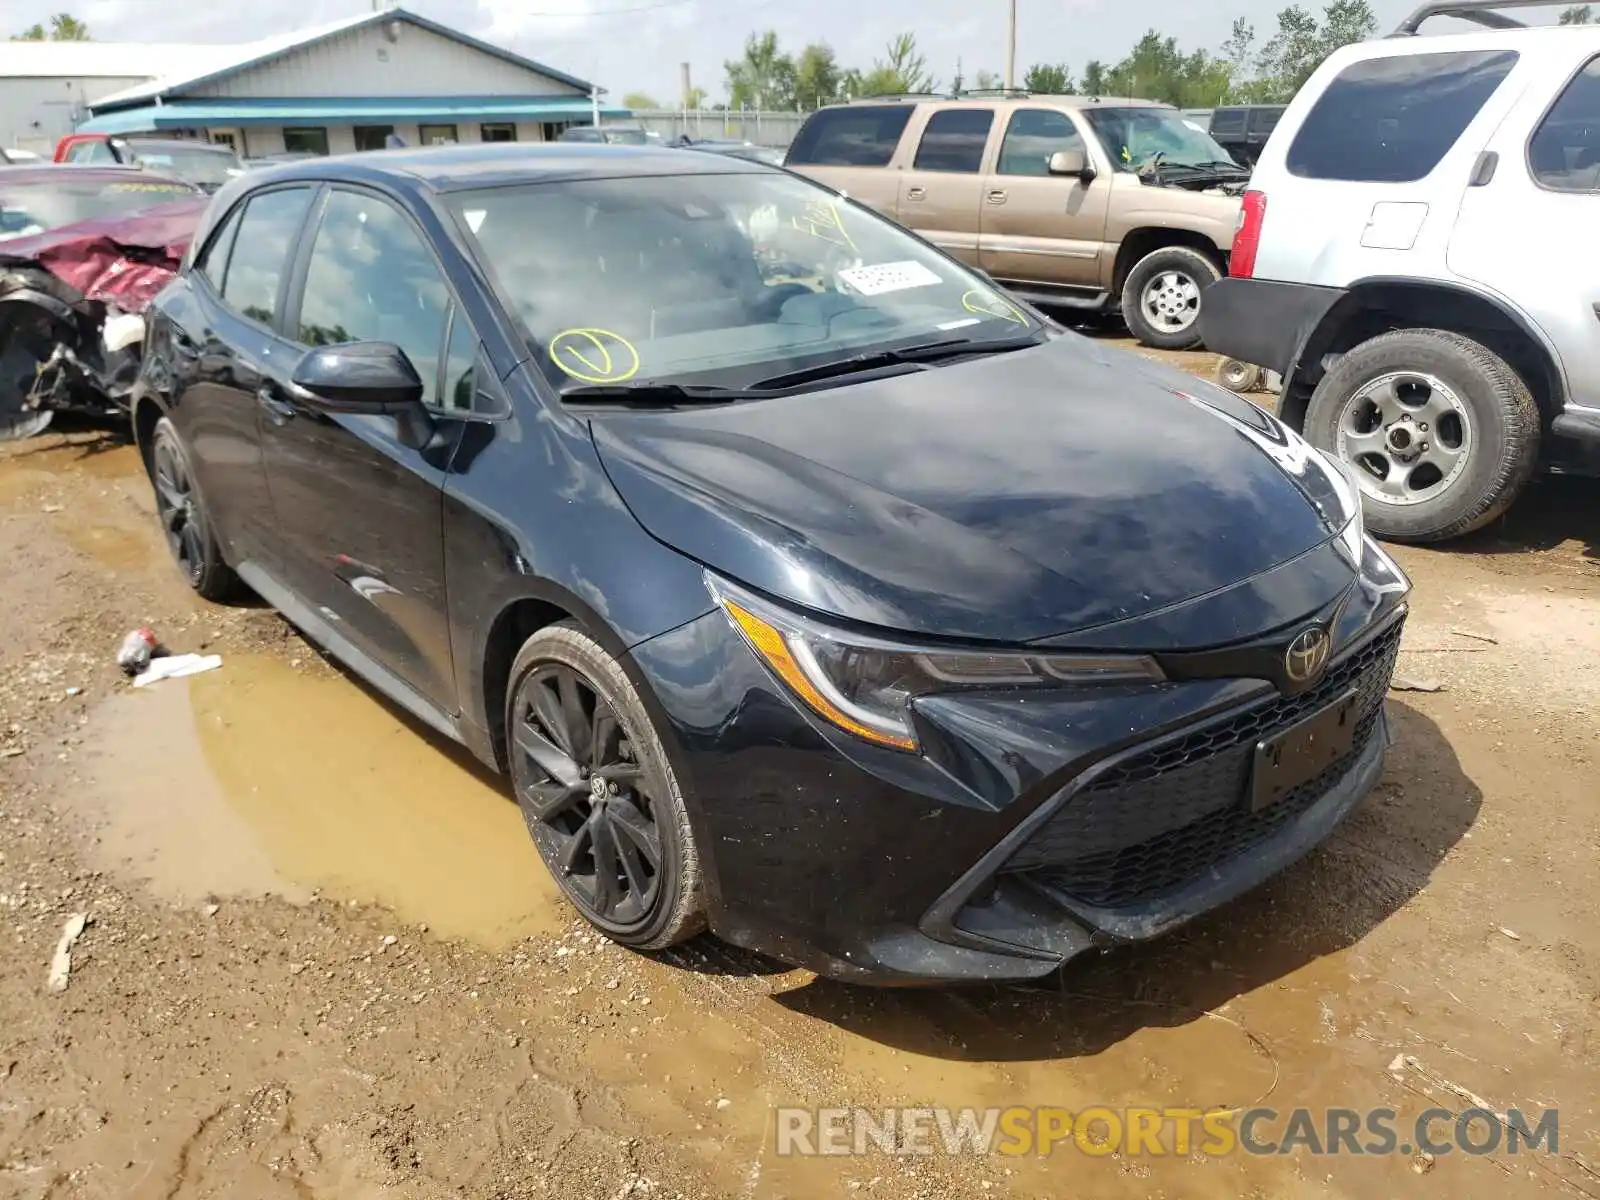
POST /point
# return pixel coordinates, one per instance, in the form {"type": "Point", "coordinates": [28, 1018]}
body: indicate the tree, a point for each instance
{"type": "Point", "coordinates": [1300, 45]}
{"type": "Point", "coordinates": [640, 100]}
{"type": "Point", "coordinates": [1157, 70]}
{"type": "Point", "coordinates": [695, 98]}
{"type": "Point", "coordinates": [64, 27]}
{"type": "Point", "coordinates": [987, 81]}
{"type": "Point", "coordinates": [1578, 14]}
{"type": "Point", "coordinates": [905, 70]}
{"type": "Point", "coordinates": [1048, 79]}
{"type": "Point", "coordinates": [1239, 52]}
{"type": "Point", "coordinates": [764, 77]}
{"type": "Point", "coordinates": [1095, 80]}
{"type": "Point", "coordinates": [817, 76]}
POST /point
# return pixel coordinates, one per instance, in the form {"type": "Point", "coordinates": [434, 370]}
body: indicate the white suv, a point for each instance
{"type": "Point", "coordinates": [1419, 258]}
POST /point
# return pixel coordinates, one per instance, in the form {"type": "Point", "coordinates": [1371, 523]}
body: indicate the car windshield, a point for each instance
{"type": "Point", "coordinates": [35, 207]}
{"type": "Point", "coordinates": [202, 165]}
{"type": "Point", "coordinates": [1135, 137]}
{"type": "Point", "coordinates": [716, 279]}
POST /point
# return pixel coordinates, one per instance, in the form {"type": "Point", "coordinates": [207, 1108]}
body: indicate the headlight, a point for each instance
{"type": "Point", "coordinates": [865, 685]}
{"type": "Point", "coordinates": [1353, 536]}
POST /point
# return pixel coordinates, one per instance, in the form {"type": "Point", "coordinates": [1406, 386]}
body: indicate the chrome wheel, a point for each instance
{"type": "Point", "coordinates": [591, 804]}
{"type": "Point", "coordinates": [1238, 376]}
{"type": "Point", "coordinates": [1171, 301]}
{"type": "Point", "coordinates": [177, 507]}
{"type": "Point", "coordinates": [1408, 434]}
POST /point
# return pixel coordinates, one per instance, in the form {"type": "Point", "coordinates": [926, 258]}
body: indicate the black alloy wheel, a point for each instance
{"type": "Point", "coordinates": [175, 505]}
{"type": "Point", "coordinates": [183, 517]}
{"type": "Point", "coordinates": [593, 807]}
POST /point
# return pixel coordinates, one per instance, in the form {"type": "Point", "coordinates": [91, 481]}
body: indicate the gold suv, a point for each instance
{"type": "Point", "coordinates": [1067, 200]}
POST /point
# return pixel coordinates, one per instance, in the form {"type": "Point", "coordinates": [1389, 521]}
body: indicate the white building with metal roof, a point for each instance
{"type": "Point", "coordinates": [333, 89]}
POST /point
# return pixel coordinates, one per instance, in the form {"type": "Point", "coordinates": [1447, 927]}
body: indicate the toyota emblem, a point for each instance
{"type": "Point", "coordinates": [1307, 655]}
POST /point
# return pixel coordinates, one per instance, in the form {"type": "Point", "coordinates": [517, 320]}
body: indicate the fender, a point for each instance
{"type": "Point", "coordinates": [1315, 344]}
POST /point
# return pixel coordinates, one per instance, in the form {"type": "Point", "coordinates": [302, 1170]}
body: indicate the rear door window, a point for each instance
{"type": "Point", "coordinates": [857, 135]}
{"type": "Point", "coordinates": [1391, 120]}
{"type": "Point", "coordinates": [1564, 154]}
{"type": "Point", "coordinates": [954, 140]}
{"type": "Point", "coordinates": [260, 255]}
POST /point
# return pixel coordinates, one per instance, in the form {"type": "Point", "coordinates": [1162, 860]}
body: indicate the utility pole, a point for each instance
{"type": "Point", "coordinates": [1011, 45]}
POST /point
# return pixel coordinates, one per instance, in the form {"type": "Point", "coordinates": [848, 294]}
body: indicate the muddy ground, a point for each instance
{"type": "Point", "coordinates": [323, 959]}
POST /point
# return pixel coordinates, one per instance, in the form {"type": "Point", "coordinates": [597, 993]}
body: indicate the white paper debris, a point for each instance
{"type": "Point", "coordinates": [888, 277]}
{"type": "Point", "coordinates": [176, 666]}
{"type": "Point", "coordinates": [61, 963]}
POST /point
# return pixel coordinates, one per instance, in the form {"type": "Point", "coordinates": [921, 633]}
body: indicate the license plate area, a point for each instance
{"type": "Point", "coordinates": [1302, 752]}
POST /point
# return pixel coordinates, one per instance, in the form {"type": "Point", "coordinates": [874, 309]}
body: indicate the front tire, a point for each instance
{"type": "Point", "coordinates": [1162, 295]}
{"type": "Point", "coordinates": [1442, 432]}
{"type": "Point", "coordinates": [184, 521]}
{"type": "Point", "coordinates": [598, 793]}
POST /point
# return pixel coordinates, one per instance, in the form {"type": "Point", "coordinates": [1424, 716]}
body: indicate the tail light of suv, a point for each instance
{"type": "Point", "coordinates": [1247, 238]}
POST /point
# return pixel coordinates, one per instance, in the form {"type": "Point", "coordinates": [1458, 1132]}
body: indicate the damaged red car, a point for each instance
{"type": "Point", "coordinates": [82, 252]}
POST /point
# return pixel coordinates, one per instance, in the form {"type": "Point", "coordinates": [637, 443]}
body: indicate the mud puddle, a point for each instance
{"type": "Point", "coordinates": [260, 779]}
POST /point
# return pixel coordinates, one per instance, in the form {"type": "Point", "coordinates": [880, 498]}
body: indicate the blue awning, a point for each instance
{"type": "Point", "coordinates": [347, 110]}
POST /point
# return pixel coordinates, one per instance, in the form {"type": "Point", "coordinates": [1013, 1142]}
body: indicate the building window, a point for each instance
{"type": "Point", "coordinates": [499, 133]}
{"type": "Point", "coordinates": [307, 139]}
{"type": "Point", "coordinates": [437, 135]}
{"type": "Point", "coordinates": [372, 137]}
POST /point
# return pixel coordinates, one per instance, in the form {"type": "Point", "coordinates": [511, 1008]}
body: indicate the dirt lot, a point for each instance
{"type": "Point", "coordinates": [323, 960]}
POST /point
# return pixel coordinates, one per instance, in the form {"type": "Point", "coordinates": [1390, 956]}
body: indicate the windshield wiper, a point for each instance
{"type": "Point", "coordinates": [658, 395]}
{"type": "Point", "coordinates": [924, 352]}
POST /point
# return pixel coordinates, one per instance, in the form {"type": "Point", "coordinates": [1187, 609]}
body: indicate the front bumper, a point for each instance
{"type": "Point", "coordinates": [1032, 828]}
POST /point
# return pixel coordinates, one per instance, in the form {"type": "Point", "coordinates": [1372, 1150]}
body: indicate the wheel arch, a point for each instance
{"type": "Point", "coordinates": [1384, 304]}
{"type": "Point", "coordinates": [1139, 243]}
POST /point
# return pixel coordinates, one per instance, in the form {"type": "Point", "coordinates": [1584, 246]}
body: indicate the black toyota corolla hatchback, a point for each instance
{"type": "Point", "coordinates": [804, 585]}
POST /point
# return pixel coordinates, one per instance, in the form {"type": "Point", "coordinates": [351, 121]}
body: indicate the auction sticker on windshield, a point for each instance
{"type": "Point", "coordinates": [594, 355]}
{"type": "Point", "coordinates": [889, 277]}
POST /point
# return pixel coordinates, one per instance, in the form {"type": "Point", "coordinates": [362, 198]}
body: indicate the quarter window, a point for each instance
{"type": "Point", "coordinates": [1033, 136]}
{"type": "Point", "coordinates": [954, 140]}
{"type": "Point", "coordinates": [460, 366]}
{"type": "Point", "coordinates": [855, 135]}
{"type": "Point", "coordinates": [1564, 154]}
{"type": "Point", "coordinates": [261, 252]}
{"type": "Point", "coordinates": [1391, 120]}
{"type": "Point", "coordinates": [371, 278]}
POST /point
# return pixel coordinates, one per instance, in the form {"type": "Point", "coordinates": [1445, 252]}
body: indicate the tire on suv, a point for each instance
{"type": "Point", "coordinates": [1442, 433]}
{"type": "Point", "coordinates": [1161, 297]}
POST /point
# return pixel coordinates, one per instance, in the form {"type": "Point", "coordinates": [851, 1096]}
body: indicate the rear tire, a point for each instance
{"type": "Point", "coordinates": [1395, 404]}
{"type": "Point", "coordinates": [184, 521]}
{"type": "Point", "coordinates": [1162, 296]}
{"type": "Point", "coordinates": [598, 794]}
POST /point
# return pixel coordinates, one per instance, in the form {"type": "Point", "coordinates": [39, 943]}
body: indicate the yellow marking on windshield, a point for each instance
{"type": "Point", "coordinates": [985, 305]}
{"type": "Point", "coordinates": [586, 355]}
{"type": "Point", "coordinates": [821, 219]}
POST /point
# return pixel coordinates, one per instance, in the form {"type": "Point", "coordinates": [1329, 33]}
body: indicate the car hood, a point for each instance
{"type": "Point", "coordinates": [1011, 498]}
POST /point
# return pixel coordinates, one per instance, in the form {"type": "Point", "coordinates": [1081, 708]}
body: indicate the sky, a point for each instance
{"type": "Point", "coordinates": [637, 45]}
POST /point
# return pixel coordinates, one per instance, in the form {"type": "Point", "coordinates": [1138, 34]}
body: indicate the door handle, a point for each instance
{"type": "Point", "coordinates": [916, 193]}
{"type": "Point", "coordinates": [278, 410]}
{"type": "Point", "coordinates": [997, 196]}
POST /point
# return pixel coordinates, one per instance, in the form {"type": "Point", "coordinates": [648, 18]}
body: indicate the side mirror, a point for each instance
{"type": "Point", "coordinates": [1071, 162]}
{"type": "Point", "coordinates": [359, 377]}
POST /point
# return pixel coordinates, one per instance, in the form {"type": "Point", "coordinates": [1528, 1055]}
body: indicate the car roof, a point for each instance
{"type": "Point", "coordinates": [47, 172]}
{"type": "Point", "coordinates": [1018, 101]}
{"type": "Point", "coordinates": [174, 143]}
{"type": "Point", "coordinates": [497, 164]}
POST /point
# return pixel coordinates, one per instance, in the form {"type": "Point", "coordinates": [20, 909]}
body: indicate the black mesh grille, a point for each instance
{"type": "Point", "coordinates": [1159, 819]}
